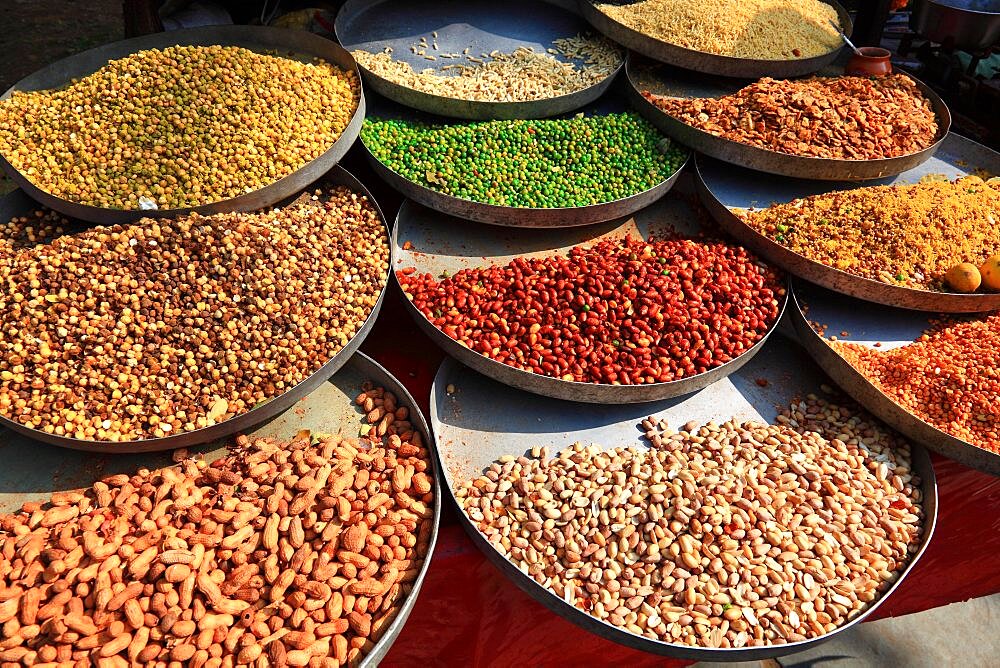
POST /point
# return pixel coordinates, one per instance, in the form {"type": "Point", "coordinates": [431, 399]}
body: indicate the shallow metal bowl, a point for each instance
{"type": "Point", "coordinates": [483, 27]}
{"type": "Point", "coordinates": [33, 473]}
{"type": "Point", "coordinates": [476, 421]}
{"type": "Point", "coordinates": [867, 324]}
{"type": "Point", "coordinates": [710, 63]}
{"type": "Point", "coordinates": [971, 25]}
{"type": "Point", "coordinates": [17, 204]}
{"type": "Point", "coordinates": [671, 82]}
{"type": "Point", "coordinates": [297, 44]}
{"type": "Point", "coordinates": [439, 243]}
{"type": "Point", "coordinates": [726, 189]}
{"type": "Point", "coordinates": [512, 216]}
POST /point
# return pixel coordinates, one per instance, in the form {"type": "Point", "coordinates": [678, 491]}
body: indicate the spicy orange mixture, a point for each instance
{"type": "Point", "coordinates": [850, 118]}
{"type": "Point", "coordinates": [948, 377]}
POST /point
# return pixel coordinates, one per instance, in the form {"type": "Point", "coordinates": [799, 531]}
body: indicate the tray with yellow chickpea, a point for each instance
{"type": "Point", "coordinates": [210, 120]}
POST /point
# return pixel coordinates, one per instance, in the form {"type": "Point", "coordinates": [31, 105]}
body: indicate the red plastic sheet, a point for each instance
{"type": "Point", "coordinates": [469, 614]}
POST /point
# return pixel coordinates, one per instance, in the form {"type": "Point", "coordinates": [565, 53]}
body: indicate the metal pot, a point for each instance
{"type": "Point", "coordinates": [971, 25]}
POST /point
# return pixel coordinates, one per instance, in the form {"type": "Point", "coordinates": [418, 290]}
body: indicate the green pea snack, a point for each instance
{"type": "Point", "coordinates": [535, 164]}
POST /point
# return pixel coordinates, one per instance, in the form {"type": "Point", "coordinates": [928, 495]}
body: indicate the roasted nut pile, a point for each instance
{"type": "Point", "coordinates": [908, 235]}
{"type": "Point", "coordinates": [755, 29]}
{"type": "Point", "coordinates": [739, 535]}
{"type": "Point", "coordinates": [846, 118]}
{"type": "Point", "coordinates": [535, 164]}
{"type": "Point", "coordinates": [279, 554]}
{"type": "Point", "coordinates": [37, 227]}
{"type": "Point", "coordinates": [178, 127]}
{"type": "Point", "coordinates": [521, 76]}
{"type": "Point", "coordinates": [947, 377]}
{"type": "Point", "coordinates": [165, 326]}
{"type": "Point", "coordinates": [620, 312]}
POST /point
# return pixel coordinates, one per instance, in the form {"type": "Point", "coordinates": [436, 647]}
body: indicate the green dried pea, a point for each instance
{"type": "Point", "coordinates": [529, 163]}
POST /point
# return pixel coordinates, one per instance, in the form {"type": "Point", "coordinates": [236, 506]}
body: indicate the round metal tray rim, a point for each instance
{"type": "Point", "coordinates": [779, 162]}
{"type": "Point", "coordinates": [853, 382]}
{"type": "Point", "coordinates": [711, 63]}
{"type": "Point", "coordinates": [477, 109]}
{"type": "Point", "coordinates": [968, 10]}
{"type": "Point", "coordinates": [600, 627]}
{"type": "Point", "coordinates": [384, 643]}
{"type": "Point", "coordinates": [832, 278]}
{"type": "Point", "coordinates": [330, 410]}
{"type": "Point", "coordinates": [498, 209]}
{"type": "Point", "coordinates": [261, 413]}
{"type": "Point", "coordinates": [505, 109]}
{"type": "Point", "coordinates": [251, 37]}
{"type": "Point", "coordinates": [571, 390]}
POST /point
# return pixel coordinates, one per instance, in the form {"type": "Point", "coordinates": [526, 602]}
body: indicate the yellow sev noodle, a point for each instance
{"type": "Point", "coordinates": [757, 29]}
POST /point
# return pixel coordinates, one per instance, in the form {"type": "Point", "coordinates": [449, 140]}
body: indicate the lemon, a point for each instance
{"type": "Point", "coordinates": [963, 277]}
{"type": "Point", "coordinates": [991, 273]}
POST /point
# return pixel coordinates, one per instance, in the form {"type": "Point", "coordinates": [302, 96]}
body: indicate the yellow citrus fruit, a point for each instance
{"type": "Point", "coordinates": [963, 277]}
{"type": "Point", "coordinates": [991, 273]}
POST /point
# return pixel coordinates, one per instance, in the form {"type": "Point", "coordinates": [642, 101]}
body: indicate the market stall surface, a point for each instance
{"type": "Point", "coordinates": [469, 614]}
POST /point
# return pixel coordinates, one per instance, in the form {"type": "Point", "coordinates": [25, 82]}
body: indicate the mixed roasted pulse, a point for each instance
{"type": "Point", "coordinates": [178, 127]}
{"type": "Point", "coordinates": [167, 326]}
{"type": "Point", "coordinates": [842, 118]}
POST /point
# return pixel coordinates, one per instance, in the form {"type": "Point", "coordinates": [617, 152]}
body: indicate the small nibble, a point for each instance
{"type": "Point", "coordinates": [765, 533]}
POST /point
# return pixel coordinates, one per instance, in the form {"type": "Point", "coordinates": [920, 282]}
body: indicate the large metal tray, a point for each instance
{"type": "Point", "coordinates": [288, 43]}
{"type": "Point", "coordinates": [32, 473]}
{"type": "Point", "coordinates": [441, 243]}
{"type": "Point", "coordinates": [867, 324]}
{"type": "Point", "coordinates": [710, 63]}
{"type": "Point", "coordinates": [476, 421]}
{"type": "Point", "coordinates": [725, 189]}
{"type": "Point", "coordinates": [961, 24]}
{"type": "Point", "coordinates": [511, 216]}
{"type": "Point", "coordinates": [479, 25]}
{"type": "Point", "coordinates": [644, 75]}
{"type": "Point", "coordinates": [17, 204]}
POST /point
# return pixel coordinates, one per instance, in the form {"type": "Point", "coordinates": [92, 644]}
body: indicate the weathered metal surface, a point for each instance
{"type": "Point", "coordinates": [658, 79]}
{"type": "Point", "coordinates": [32, 471]}
{"type": "Point", "coordinates": [970, 25]}
{"type": "Point", "coordinates": [710, 63]}
{"type": "Point", "coordinates": [477, 420]}
{"type": "Point", "coordinates": [482, 27]}
{"type": "Point", "coordinates": [297, 44]}
{"type": "Point", "coordinates": [511, 216]}
{"type": "Point", "coordinates": [440, 243]}
{"type": "Point", "coordinates": [867, 324]}
{"type": "Point", "coordinates": [726, 190]}
{"type": "Point", "coordinates": [17, 204]}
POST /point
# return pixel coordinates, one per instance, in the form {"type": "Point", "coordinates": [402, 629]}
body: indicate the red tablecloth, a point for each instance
{"type": "Point", "coordinates": [468, 613]}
